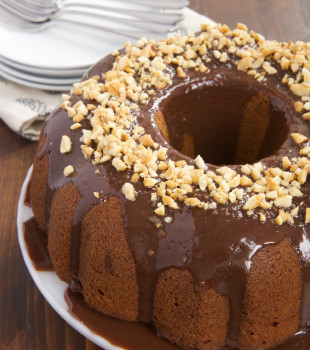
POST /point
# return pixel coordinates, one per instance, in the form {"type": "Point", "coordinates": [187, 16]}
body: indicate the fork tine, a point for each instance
{"type": "Point", "coordinates": [10, 19]}
{"type": "Point", "coordinates": [31, 8]}
{"type": "Point", "coordinates": [24, 13]}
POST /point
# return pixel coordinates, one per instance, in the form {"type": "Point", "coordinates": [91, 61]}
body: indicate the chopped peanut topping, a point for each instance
{"type": "Point", "coordinates": [298, 138]}
{"type": "Point", "coordinates": [253, 202]}
{"type": "Point", "coordinates": [128, 191]}
{"type": "Point", "coordinates": [114, 102]}
{"type": "Point", "coordinates": [65, 144]}
{"type": "Point", "coordinates": [200, 162]}
{"type": "Point", "coordinates": [307, 218]}
{"type": "Point", "coordinates": [68, 170]}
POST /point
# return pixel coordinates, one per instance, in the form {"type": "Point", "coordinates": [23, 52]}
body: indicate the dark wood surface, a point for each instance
{"type": "Point", "coordinates": [27, 322]}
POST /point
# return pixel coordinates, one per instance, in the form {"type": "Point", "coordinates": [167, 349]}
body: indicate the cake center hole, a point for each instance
{"type": "Point", "coordinates": [225, 121]}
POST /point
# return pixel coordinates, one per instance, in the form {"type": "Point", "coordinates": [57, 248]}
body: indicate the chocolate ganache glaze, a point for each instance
{"type": "Point", "coordinates": [217, 245]}
{"type": "Point", "coordinates": [134, 336]}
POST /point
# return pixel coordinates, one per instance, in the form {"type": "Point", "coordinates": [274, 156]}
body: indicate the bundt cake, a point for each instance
{"type": "Point", "coordinates": [172, 184]}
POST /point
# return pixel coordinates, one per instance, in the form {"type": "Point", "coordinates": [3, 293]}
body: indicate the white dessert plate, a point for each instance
{"type": "Point", "coordinates": [58, 47]}
{"type": "Point", "coordinates": [48, 283]}
{"type": "Point", "coordinates": [42, 79]}
{"type": "Point", "coordinates": [44, 71]}
{"type": "Point", "coordinates": [63, 46]}
{"type": "Point", "coordinates": [42, 86]}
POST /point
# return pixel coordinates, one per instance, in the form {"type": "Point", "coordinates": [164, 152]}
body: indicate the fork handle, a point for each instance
{"type": "Point", "coordinates": [15, 22]}
{"type": "Point", "coordinates": [154, 16]}
{"type": "Point", "coordinates": [166, 4]}
{"type": "Point", "coordinates": [127, 33]}
{"type": "Point", "coordinates": [134, 22]}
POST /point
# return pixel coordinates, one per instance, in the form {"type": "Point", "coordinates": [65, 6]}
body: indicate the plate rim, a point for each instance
{"type": "Point", "coordinates": [55, 42]}
{"type": "Point", "coordinates": [40, 79]}
{"type": "Point", "coordinates": [47, 71]}
{"type": "Point", "coordinates": [34, 85]}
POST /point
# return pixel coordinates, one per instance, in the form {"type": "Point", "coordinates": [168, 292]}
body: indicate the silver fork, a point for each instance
{"type": "Point", "coordinates": [35, 11]}
{"type": "Point", "coordinates": [50, 5]}
{"type": "Point", "coordinates": [34, 17]}
{"type": "Point", "coordinates": [152, 30]}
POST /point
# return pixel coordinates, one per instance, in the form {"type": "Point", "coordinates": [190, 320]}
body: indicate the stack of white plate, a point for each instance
{"type": "Point", "coordinates": [58, 55]}
{"type": "Point", "coordinates": [52, 59]}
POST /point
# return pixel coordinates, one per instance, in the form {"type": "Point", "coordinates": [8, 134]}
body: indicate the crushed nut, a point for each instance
{"type": "Point", "coordinates": [128, 191]}
{"type": "Point", "coordinates": [160, 210]}
{"type": "Point", "coordinates": [118, 164]}
{"type": "Point", "coordinates": [180, 73]}
{"type": "Point", "coordinates": [283, 202]}
{"type": "Point", "coordinates": [200, 162]}
{"type": "Point", "coordinates": [65, 144]}
{"type": "Point", "coordinates": [307, 216]}
{"type": "Point", "coordinates": [69, 170]}
{"type": "Point", "coordinates": [299, 138]}
{"type": "Point", "coordinates": [149, 182]}
{"type": "Point", "coordinates": [253, 202]}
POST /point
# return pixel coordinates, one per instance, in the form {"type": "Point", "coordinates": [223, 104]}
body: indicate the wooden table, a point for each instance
{"type": "Point", "coordinates": [26, 320]}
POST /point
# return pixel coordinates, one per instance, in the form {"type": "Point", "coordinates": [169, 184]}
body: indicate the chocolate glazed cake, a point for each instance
{"type": "Point", "coordinates": [172, 184]}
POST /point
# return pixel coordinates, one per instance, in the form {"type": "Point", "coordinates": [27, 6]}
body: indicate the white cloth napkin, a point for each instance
{"type": "Point", "coordinates": [24, 109]}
